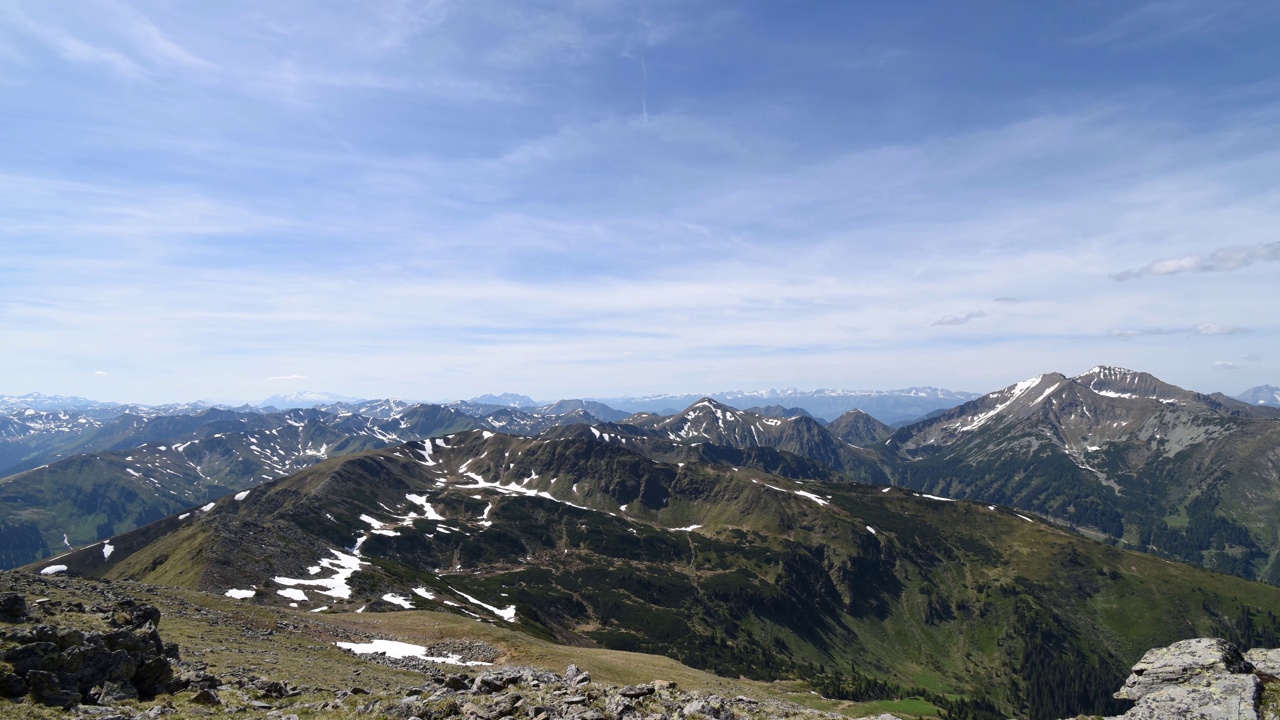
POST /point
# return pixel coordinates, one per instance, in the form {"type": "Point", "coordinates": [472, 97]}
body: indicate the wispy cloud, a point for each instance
{"type": "Point", "coordinates": [1215, 329]}
{"type": "Point", "coordinates": [1203, 329]}
{"type": "Point", "coordinates": [1169, 20]}
{"type": "Point", "coordinates": [1141, 332]}
{"type": "Point", "coordinates": [1227, 365]}
{"type": "Point", "coordinates": [278, 378]}
{"type": "Point", "coordinates": [1224, 260]}
{"type": "Point", "coordinates": [958, 319]}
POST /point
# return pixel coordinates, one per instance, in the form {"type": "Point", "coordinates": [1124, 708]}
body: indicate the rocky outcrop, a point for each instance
{"type": "Point", "coordinates": [528, 692]}
{"type": "Point", "coordinates": [1202, 679]}
{"type": "Point", "coordinates": [64, 666]}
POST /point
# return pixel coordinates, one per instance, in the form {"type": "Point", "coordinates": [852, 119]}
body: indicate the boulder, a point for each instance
{"type": "Point", "coordinates": [1199, 679]}
{"type": "Point", "coordinates": [1212, 697]}
{"type": "Point", "coordinates": [13, 607]}
{"type": "Point", "coordinates": [1182, 662]}
{"type": "Point", "coordinates": [1264, 661]}
{"type": "Point", "coordinates": [47, 689]}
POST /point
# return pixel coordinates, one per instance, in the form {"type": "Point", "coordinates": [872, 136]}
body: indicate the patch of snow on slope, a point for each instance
{"type": "Point", "coordinates": [691, 528]}
{"type": "Point", "coordinates": [394, 649]}
{"type": "Point", "coordinates": [343, 566]}
{"type": "Point", "coordinates": [293, 594]}
{"type": "Point", "coordinates": [801, 493]}
{"type": "Point", "coordinates": [426, 506]}
{"type": "Point", "coordinates": [1046, 393]}
{"type": "Point", "coordinates": [242, 495]}
{"type": "Point", "coordinates": [1017, 391]}
{"type": "Point", "coordinates": [394, 599]}
{"type": "Point", "coordinates": [508, 613]}
{"type": "Point", "coordinates": [53, 570]}
{"type": "Point", "coordinates": [107, 549]}
{"type": "Point", "coordinates": [811, 496]}
{"type": "Point", "coordinates": [240, 594]}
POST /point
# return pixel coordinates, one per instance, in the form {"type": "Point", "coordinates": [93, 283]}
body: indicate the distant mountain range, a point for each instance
{"type": "Point", "coordinates": [1113, 453]}
{"type": "Point", "coordinates": [887, 406]}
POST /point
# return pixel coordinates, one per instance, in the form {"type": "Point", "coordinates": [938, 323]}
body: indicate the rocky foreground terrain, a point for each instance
{"type": "Point", "coordinates": [77, 648]}
{"type": "Point", "coordinates": [72, 648]}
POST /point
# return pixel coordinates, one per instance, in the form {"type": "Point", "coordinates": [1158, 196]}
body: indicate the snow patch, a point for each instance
{"type": "Point", "coordinates": [394, 599]}
{"type": "Point", "coordinates": [107, 549]}
{"type": "Point", "coordinates": [396, 649]}
{"type": "Point", "coordinates": [293, 594]}
{"type": "Point", "coordinates": [508, 613]}
{"type": "Point", "coordinates": [242, 495]}
{"type": "Point", "coordinates": [1014, 393]}
{"type": "Point", "coordinates": [53, 570]}
{"type": "Point", "coordinates": [343, 566]}
{"type": "Point", "coordinates": [240, 594]}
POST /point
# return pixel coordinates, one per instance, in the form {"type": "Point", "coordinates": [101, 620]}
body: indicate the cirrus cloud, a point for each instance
{"type": "Point", "coordinates": [1226, 259]}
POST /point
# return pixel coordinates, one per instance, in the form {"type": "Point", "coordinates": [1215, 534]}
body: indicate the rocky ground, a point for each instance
{"type": "Point", "coordinates": [76, 649]}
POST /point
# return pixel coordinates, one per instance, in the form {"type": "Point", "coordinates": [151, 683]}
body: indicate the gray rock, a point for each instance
{"type": "Point", "coordinates": [1265, 661]}
{"type": "Point", "coordinates": [206, 697]}
{"type": "Point", "coordinates": [1182, 662]}
{"type": "Point", "coordinates": [576, 677]}
{"type": "Point", "coordinates": [1220, 697]}
{"type": "Point", "coordinates": [13, 607]}
{"type": "Point", "coordinates": [46, 689]}
{"type": "Point", "coordinates": [12, 686]}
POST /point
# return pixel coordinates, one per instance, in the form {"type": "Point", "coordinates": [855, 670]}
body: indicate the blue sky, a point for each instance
{"type": "Point", "coordinates": [438, 199]}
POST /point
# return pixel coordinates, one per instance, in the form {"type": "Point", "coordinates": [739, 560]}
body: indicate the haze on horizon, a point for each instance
{"type": "Point", "coordinates": [437, 199]}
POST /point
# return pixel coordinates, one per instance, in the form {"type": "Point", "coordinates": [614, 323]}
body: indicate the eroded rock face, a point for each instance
{"type": "Point", "coordinates": [1199, 679]}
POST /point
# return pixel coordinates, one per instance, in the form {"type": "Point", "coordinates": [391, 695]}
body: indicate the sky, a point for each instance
{"type": "Point", "coordinates": [437, 199]}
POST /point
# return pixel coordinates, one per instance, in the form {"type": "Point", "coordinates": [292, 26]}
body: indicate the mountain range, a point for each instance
{"type": "Point", "coordinates": [1112, 453]}
{"type": "Point", "coordinates": [585, 541]}
{"type": "Point", "coordinates": [984, 553]}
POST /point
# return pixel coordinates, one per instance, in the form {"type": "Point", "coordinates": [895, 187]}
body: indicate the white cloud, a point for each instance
{"type": "Point", "coordinates": [278, 378]}
{"type": "Point", "coordinates": [1215, 329]}
{"type": "Point", "coordinates": [1223, 260]}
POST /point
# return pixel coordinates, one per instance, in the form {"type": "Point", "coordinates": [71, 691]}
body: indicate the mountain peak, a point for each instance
{"type": "Point", "coordinates": [508, 399]}
{"type": "Point", "coordinates": [308, 398]}
{"type": "Point", "coordinates": [1261, 395]}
